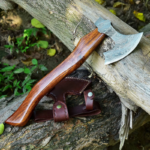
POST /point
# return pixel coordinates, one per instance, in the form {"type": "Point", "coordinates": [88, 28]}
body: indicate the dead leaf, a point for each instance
{"type": "Point", "coordinates": [131, 1]}
{"type": "Point", "coordinates": [100, 1]}
{"type": "Point", "coordinates": [118, 4]}
{"type": "Point", "coordinates": [35, 55]}
{"type": "Point", "coordinates": [51, 52]}
{"type": "Point", "coordinates": [58, 46]}
{"type": "Point", "coordinates": [9, 40]}
{"type": "Point", "coordinates": [27, 62]}
{"type": "Point", "coordinates": [112, 11]}
{"type": "Point", "coordinates": [10, 62]}
{"type": "Point", "coordinates": [127, 7]}
{"type": "Point", "coordinates": [139, 16]}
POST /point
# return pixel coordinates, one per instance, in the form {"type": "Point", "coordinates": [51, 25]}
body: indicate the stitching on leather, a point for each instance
{"type": "Point", "coordinates": [64, 109]}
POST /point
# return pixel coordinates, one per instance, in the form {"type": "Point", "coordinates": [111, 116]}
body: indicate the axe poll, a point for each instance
{"type": "Point", "coordinates": [124, 45]}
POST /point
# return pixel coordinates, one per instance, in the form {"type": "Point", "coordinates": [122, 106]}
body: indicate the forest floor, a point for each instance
{"type": "Point", "coordinates": [13, 25]}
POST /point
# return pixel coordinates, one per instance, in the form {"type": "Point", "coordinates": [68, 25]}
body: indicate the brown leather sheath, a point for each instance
{"type": "Point", "coordinates": [60, 112]}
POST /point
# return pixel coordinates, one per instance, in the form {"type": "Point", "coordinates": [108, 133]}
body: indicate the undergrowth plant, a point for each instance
{"type": "Point", "coordinates": [28, 33]}
{"type": "Point", "coordinates": [17, 81]}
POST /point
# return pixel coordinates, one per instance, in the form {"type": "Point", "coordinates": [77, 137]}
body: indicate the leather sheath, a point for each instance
{"type": "Point", "coordinates": [60, 112]}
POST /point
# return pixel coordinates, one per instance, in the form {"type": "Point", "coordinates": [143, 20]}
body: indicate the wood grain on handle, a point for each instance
{"type": "Point", "coordinates": [84, 48]}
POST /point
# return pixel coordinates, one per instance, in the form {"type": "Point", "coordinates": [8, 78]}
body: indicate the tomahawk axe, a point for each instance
{"type": "Point", "coordinates": [124, 44]}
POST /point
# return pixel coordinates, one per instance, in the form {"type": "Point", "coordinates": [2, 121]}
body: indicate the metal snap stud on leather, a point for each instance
{"type": "Point", "coordinates": [59, 106]}
{"type": "Point", "coordinates": [90, 94]}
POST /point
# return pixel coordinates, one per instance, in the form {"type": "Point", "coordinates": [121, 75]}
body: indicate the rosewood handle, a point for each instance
{"type": "Point", "coordinates": [84, 48]}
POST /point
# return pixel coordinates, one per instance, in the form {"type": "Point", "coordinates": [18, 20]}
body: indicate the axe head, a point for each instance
{"type": "Point", "coordinates": [124, 44]}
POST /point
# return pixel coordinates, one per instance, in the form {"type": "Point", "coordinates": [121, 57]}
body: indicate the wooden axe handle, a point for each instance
{"type": "Point", "coordinates": [84, 48]}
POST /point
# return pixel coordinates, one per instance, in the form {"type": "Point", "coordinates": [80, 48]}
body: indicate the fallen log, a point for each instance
{"type": "Point", "coordinates": [78, 133]}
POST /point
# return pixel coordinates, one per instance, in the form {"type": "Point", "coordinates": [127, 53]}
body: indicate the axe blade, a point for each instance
{"type": "Point", "coordinates": [124, 44]}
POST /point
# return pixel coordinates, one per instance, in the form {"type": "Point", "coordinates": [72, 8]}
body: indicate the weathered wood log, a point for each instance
{"type": "Point", "coordinates": [6, 5]}
{"type": "Point", "coordinates": [78, 133]}
{"type": "Point", "coordinates": [129, 77]}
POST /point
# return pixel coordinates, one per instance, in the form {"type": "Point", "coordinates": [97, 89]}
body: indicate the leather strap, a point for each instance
{"type": "Point", "coordinates": [60, 112]}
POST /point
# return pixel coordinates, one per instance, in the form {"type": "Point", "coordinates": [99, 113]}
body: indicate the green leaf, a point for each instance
{"type": "Point", "coordinates": [43, 44]}
{"type": "Point", "coordinates": [30, 81]}
{"type": "Point", "coordinates": [18, 94]}
{"type": "Point", "coordinates": [19, 40]}
{"type": "Point", "coordinates": [35, 30]}
{"type": "Point", "coordinates": [17, 50]}
{"type": "Point", "coordinates": [38, 45]}
{"type": "Point", "coordinates": [10, 77]}
{"type": "Point", "coordinates": [15, 83]}
{"type": "Point", "coordinates": [27, 33]}
{"type": "Point", "coordinates": [18, 83]}
{"type": "Point", "coordinates": [42, 67]}
{"type": "Point", "coordinates": [15, 91]}
{"type": "Point", "coordinates": [33, 68]}
{"type": "Point", "coordinates": [27, 71]}
{"type": "Point", "coordinates": [34, 62]}
{"type": "Point", "coordinates": [8, 46]}
{"type": "Point", "coordinates": [7, 87]}
{"type": "Point", "coordinates": [2, 96]}
{"type": "Point", "coordinates": [43, 30]}
{"type": "Point", "coordinates": [1, 128]}
{"type": "Point", "coordinates": [1, 77]}
{"type": "Point", "coordinates": [24, 89]}
{"type": "Point", "coordinates": [9, 68]}
{"type": "Point", "coordinates": [28, 87]}
{"type": "Point", "coordinates": [31, 45]}
{"type": "Point", "coordinates": [20, 70]}
{"type": "Point", "coordinates": [26, 80]}
{"type": "Point", "coordinates": [21, 48]}
{"type": "Point", "coordinates": [37, 23]}
{"type": "Point", "coordinates": [5, 64]}
{"type": "Point", "coordinates": [25, 49]}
